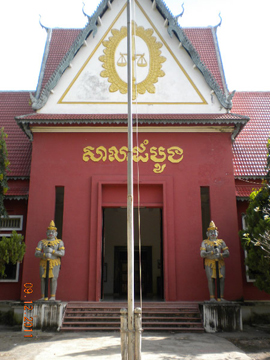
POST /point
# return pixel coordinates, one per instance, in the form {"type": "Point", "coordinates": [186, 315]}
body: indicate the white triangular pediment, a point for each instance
{"type": "Point", "coordinates": [164, 77]}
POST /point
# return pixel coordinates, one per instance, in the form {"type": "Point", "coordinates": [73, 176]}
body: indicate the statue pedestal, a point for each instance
{"type": "Point", "coordinates": [222, 316]}
{"type": "Point", "coordinates": [46, 314]}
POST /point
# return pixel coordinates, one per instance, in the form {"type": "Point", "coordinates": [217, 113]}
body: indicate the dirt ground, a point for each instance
{"type": "Point", "coordinates": [254, 341]}
{"type": "Point", "coordinates": [257, 349]}
{"type": "Point", "coordinates": [251, 344]}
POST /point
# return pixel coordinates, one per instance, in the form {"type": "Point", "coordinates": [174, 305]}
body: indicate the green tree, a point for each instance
{"type": "Point", "coordinates": [256, 238]}
{"type": "Point", "coordinates": [4, 163]}
{"type": "Point", "coordinates": [12, 250]}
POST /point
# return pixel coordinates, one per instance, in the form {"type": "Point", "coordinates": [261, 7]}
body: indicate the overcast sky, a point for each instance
{"type": "Point", "coordinates": [243, 36]}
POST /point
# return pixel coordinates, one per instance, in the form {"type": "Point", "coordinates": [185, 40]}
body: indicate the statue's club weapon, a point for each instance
{"type": "Point", "coordinates": [47, 276]}
{"type": "Point", "coordinates": [217, 275]}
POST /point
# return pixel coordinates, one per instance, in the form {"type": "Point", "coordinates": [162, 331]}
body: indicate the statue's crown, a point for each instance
{"type": "Point", "coordinates": [52, 226]}
{"type": "Point", "coordinates": [212, 226]}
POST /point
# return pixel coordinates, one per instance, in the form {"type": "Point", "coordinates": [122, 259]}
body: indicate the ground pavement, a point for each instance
{"type": "Point", "coordinates": [254, 342]}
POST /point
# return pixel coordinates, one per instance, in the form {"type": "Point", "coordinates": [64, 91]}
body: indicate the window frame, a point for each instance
{"type": "Point", "coordinates": [13, 228]}
{"type": "Point", "coordinates": [17, 266]}
{"type": "Point", "coordinates": [244, 227]}
{"type": "Point", "coordinates": [8, 234]}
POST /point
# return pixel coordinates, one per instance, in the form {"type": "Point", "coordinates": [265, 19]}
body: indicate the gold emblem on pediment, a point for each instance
{"type": "Point", "coordinates": [146, 57]}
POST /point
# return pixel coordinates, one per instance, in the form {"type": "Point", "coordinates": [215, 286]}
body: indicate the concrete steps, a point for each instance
{"type": "Point", "coordinates": [156, 316]}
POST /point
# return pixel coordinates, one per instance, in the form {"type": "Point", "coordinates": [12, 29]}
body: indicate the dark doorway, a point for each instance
{"type": "Point", "coordinates": [120, 272]}
{"type": "Point", "coordinates": [114, 254]}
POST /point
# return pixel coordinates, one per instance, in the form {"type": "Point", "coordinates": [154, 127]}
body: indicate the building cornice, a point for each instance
{"type": "Point", "coordinates": [221, 121]}
{"type": "Point", "coordinates": [123, 129]}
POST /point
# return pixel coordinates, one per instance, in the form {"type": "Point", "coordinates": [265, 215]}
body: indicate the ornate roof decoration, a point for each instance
{"type": "Point", "coordinates": [84, 13]}
{"type": "Point", "coordinates": [182, 13]}
{"type": "Point", "coordinates": [43, 27]}
{"type": "Point", "coordinates": [92, 27]}
{"type": "Point", "coordinates": [220, 22]}
{"type": "Point", "coordinates": [174, 28]}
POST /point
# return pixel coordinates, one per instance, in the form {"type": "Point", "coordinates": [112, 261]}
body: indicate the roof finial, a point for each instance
{"type": "Point", "coordinates": [84, 13]}
{"type": "Point", "coordinates": [43, 27]}
{"type": "Point", "coordinates": [219, 24]}
{"type": "Point", "coordinates": [180, 15]}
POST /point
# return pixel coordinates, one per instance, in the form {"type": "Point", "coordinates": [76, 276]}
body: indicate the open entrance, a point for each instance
{"type": "Point", "coordinates": [114, 254]}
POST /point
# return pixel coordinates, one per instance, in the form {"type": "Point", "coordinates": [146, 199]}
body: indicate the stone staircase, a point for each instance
{"type": "Point", "coordinates": [156, 316]}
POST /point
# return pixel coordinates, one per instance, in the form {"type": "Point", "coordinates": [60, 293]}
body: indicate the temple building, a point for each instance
{"type": "Point", "coordinates": [199, 150]}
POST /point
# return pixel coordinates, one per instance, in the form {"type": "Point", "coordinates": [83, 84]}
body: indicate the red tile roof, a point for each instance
{"type": "Point", "coordinates": [249, 148]}
{"type": "Point", "coordinates": [18, 145]}
{"type": "Point", "coordinates": [204, 43]}
{"type": "Point", "coordinates": [61, 41]}
{"type": "Point", "coordinates": [17, 190]}
{"type": "Point", "coordinates": [243, 191]}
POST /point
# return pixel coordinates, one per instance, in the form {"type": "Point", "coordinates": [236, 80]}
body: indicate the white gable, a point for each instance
{"type": "Point", "coordinates": [165, 80]}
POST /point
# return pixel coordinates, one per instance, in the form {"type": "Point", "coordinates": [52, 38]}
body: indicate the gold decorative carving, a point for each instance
{"type": "Point", "coordinates": [158, 155]}
{"type": "Point", "coordinates": [111, 60]}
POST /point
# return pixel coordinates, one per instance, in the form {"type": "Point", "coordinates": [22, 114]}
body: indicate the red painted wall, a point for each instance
{"type": "Point", "coordinates": [57, 161]}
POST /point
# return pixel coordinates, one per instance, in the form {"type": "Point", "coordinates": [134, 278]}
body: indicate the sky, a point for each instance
{"type": "Point", "coordinates": [243, 36]}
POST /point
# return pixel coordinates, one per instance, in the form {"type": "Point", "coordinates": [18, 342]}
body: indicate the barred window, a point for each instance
{"type": "Point", "coordinates": [13, 222]}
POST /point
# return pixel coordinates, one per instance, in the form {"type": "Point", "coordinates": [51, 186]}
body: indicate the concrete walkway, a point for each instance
{"type": "Point", "coordinates": [106, 346]}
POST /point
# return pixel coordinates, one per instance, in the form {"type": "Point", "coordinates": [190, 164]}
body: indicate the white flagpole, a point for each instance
{"type": "Point", "coordinates": [130, 204]}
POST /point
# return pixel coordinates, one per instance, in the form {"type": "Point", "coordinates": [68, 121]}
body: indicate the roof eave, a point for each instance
{"type": "Point", "coordinates": [16, 197]}
{"type": "Point", "coordinates": [242, 198]}
{"type": "Point", "coordinates": [250, 177]}
{"type": "Point", "coordinates": [25, 124]}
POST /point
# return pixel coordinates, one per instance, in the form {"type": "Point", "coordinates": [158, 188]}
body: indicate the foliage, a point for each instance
{"type": "Point", "coordinates": [12, 250]}
{"type": "Point", "coordinates": [256, 238]}
{"type": "Point", "coordinates": [3, 171]}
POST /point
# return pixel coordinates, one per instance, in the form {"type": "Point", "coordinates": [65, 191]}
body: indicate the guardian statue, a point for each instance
{"type": "Point", "coordinates": [214, 251]}
{"type": "Point", "coordinates": [50, 251]}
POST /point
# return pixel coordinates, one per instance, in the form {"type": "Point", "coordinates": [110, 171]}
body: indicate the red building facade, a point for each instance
{"type": "Point", "coordinates": [186, 161]}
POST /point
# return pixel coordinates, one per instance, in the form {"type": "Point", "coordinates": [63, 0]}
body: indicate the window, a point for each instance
{"type": "Point", "coordinates": [205, 208]}
{"type": "Point", "coordinates": [12, 271]}
{"type": "Point", "coordinates": [12, 222]}
{"type": "Point", "coordinates": [59, 209]}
